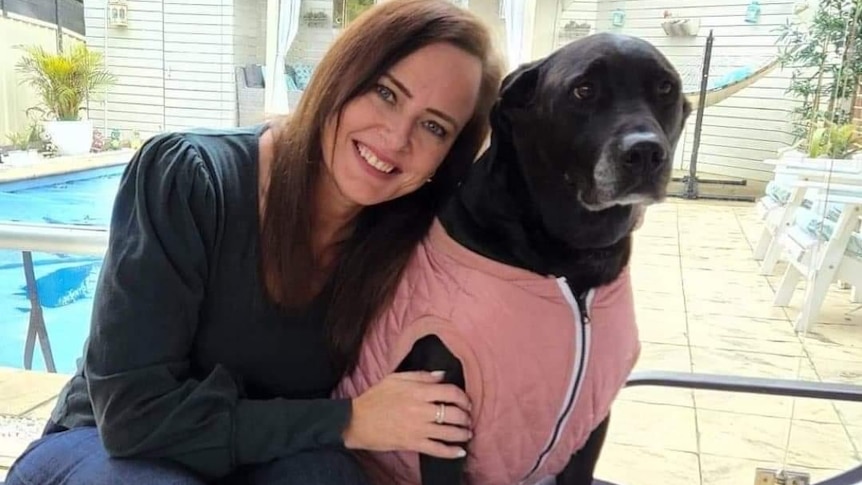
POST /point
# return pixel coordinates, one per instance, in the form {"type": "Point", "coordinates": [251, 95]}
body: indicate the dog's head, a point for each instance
{"type": "Point", "coordinates": [595, 125]}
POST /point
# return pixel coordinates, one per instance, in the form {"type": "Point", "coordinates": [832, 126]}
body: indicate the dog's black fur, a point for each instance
{"type": "Point", "coordinates": [579, 140]}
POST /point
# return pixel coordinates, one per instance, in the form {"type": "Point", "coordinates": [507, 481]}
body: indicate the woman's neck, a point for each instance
{"type": "Point", "coordinates": [334, 215]}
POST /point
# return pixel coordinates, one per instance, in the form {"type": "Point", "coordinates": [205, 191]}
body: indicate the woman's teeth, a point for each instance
{"type": "Point", "coordinates": [372, 159]}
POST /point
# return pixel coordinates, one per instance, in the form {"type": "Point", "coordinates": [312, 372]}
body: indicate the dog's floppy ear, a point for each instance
{"type": "Point", "coordinates": [519, 86]}
{"type": "Point", "coordinates": [516, 91]}
{"type": "Point", "coordinates": [686, 110]}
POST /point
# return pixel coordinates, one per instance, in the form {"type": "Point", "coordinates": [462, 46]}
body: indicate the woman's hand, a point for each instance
{"type": "Point", "coordinates": [400, 413]}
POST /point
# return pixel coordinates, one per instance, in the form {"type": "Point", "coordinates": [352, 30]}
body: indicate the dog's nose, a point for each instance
{"type": "Point", "coordinates": [644, 150]}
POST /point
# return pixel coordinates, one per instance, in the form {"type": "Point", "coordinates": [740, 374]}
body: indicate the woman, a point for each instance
{"type": "Point", "coordinates": [210, 355]}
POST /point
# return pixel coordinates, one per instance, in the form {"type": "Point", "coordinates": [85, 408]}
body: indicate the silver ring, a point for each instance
{"type": "Point", "coordinates": [441, 414]}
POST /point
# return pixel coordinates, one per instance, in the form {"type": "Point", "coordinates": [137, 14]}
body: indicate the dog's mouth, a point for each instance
{"type": "Point", "coordinates": [597, 204]}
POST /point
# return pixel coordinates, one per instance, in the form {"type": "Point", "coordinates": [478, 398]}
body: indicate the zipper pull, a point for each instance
{"type": "Point", "coordinates": [582, 306]}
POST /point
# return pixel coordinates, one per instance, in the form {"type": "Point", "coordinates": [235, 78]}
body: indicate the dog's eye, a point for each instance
{"type": "Point", "coordinates": [584, 91]}
{"type": "Point", "coordinates": [665, 87]}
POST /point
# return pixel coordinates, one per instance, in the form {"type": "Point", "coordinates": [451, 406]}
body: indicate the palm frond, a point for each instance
{"type": "Point", "coordinates": [66, 80]}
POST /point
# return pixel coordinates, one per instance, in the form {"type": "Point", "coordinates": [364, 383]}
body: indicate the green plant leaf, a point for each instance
{"type": "Point", "coordinates": [64, 81]}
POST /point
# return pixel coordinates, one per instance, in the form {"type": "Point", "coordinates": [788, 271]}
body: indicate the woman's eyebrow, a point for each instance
{"type": "Point", "coordinates": [401, 87]}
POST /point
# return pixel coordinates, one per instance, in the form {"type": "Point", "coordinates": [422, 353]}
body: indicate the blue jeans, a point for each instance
{"type": "Point", "coordinates": [77, 457]}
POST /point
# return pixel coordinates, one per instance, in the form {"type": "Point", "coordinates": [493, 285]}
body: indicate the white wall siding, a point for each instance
{"type": "Point", "coordinates": [134, 55]}
{"type": "Point", "coordinates": [175, 61]}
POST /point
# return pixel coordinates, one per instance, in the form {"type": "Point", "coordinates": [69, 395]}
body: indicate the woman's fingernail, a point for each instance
{"type": "Point", "coordinates": [462, 453]}
{"type": "Point", "coordinates": [438, 373]}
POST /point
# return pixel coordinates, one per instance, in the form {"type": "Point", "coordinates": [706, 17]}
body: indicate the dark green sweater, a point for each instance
{"type": "Point", "coordinates": [187, 359]}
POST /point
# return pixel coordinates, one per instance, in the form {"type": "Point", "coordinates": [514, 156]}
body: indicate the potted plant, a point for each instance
{"type": "Point", "coordinates": [23, 151]}
{"type": "Point", "coordinates": [825, 54]}
{"type": "Point", "coordinates": [65, 82]}
{"type": "Point", "coordinates": [831, 146]}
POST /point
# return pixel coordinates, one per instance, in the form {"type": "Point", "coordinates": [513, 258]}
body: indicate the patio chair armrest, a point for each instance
{"type": "Point", "coordinates": [750, 385]}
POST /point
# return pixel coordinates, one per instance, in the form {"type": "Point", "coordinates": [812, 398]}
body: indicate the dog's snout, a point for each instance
{"type": "Point", "coordinates": [643, 150]}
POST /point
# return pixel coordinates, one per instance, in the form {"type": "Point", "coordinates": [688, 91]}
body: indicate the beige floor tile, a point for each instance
{"type": "Point", "coordinates": [717, 277]}
{"type": "Point", "coordinates": [648, 245]}
{"type": "Point", "coordinates": [836, 308]}
{"type": "Point", "coordinates": [855, 432]}
{"type": "Point", "coordinates": [820, 445]}
{"type": "Point", "coordinates": [850, 412]}
{"type": "Point", "coordinates": [844, 335]}
{"type": "Point", "coordinates": [830, 370]}
{"type": "Point", "coordinates": [725, 470]}
{"type": "Point", "coordinates": [660, 326]}
{"type": "Point", "coordinates": [662, 357]}
{"type": "Point", "coordinates": [708, 330]}
{"type": "Point", "coordinates": [635, 465]}
{"type": "Point", "coordinates": [739, 308]}
{"type": "Point", "coordinates": [846, 353]}
{"type": "Point", "coordinates": [659, 301]}
{"type": "Point", "coordinates": [753, 364]}
{"type": "Point", "coordinates": [41, 412]}
{"type": "Point", "coordinates": [656, 279]}
{"type": "Point", "coordinates": [700, 260]}
{"type": "Point", "coordinates": [731, 240]}
{"type": "Point", "coordinates": [748, 344]}
{"type": "Point", "coordinates": [12, 447]}
{"type": "Point", "coordinates": [735, 287]}
{"type": "Point", "coordinates": [657, 425]}
{"type": "Point", "coordinates": [667, 357]}
{"type": "Point", "coordinates": [658, 395]}
{"type": "Point", "coordinates": [648, 263]}
{"type": "Point", "coordinates": [815, 410]}
{"type": "Point", "coordinates": [21, 390]}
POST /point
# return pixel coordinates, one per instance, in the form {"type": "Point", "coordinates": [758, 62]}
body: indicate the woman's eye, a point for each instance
{"type": "Point", "coordinates": [435, 128]}
{"type": "Point", "coordinates": [585, 91]}
{"type": "Point", "coordinates": [385, 93]}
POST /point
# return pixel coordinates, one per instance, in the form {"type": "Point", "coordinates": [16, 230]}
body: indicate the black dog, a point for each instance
{"type": "Point", "coordinates": [581, 140]}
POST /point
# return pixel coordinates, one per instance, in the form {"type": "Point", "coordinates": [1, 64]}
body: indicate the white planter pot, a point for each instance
{"type": "Point", "coordinates": [71, 137]}
{"type": "Point", "coordinates": [18, 158]}
{"type": "Point", "coordinates": [798, 159]}
{"type": "Point", "coordinates": [842, 165]}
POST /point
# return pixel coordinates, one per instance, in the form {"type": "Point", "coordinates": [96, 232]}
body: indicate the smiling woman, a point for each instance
{"type": "Point", "coordinates": [244, 266]}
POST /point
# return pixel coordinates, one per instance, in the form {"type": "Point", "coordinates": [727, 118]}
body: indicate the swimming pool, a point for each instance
{"type": "Point", "coordinates": [65, 281]}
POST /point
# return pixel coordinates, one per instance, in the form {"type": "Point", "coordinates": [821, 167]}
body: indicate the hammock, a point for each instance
{"type": "Point", "coordinates": [738, 77]}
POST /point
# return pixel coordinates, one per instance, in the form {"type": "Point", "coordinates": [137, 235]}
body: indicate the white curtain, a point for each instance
{"type": "Point", "coordinates": [512, 12]}
{"type": "Point", "coordinates": [288, 25]}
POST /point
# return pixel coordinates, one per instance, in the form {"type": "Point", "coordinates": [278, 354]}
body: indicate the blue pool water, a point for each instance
{"type": "Point", "coordinates": [65, 281]}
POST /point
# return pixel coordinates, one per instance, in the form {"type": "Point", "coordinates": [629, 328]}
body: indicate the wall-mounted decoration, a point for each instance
{"type": "Point", "coordinates": [118, 13]}
{"type": "Point", "coordinates": [752, 13]}
{"type": "Point", "coordinates": [316, 18]}
{"type": "Point", "coordinates": [680, 27]}
{"type": "Point", "coordinates": [618, 18]}
{"type": "Point", "coordinates": [575, 30]}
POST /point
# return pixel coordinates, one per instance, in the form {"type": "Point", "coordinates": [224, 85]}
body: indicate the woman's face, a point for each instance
{"type": "Point", "coordinates": [391, 139]}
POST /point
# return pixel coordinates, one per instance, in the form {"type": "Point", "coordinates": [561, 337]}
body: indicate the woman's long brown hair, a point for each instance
{"type": "Point", "coordinates": [370, 262]}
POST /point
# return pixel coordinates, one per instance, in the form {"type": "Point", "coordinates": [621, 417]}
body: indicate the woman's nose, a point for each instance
{"type": "Point", "coordinates": [398, 133]}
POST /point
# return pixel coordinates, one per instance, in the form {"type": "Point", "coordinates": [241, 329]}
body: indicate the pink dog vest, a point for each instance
{"type": "Point", "coordinates": [539, 377]}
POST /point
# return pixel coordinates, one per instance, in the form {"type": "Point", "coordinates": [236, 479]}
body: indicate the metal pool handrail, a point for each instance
{"type": "Point", "coordinates": [49, 238]}
{"type": "Point", "coordinates": [20, 236]}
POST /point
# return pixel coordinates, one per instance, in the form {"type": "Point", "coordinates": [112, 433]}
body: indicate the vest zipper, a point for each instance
{"type": "Point", "coordinates": [580, 306]}
{"type": "Point", "coordinates": [581, 299]}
